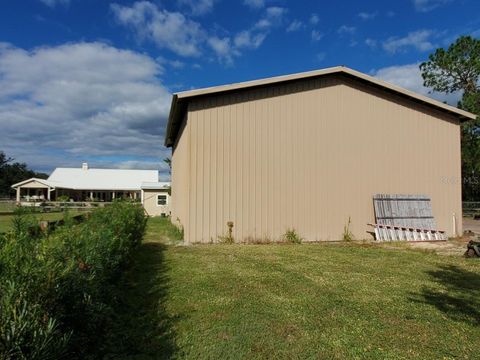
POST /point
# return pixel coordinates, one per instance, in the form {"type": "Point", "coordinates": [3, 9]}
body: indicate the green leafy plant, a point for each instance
{"type": "Point", "coordinates": [228, 238]}
{"type": "Point", "coordinates": [63, 198]}
{"type": "Point", "coordinates": [291, 236]}
{"type": "Point", "coordinates": [57, 291]}
{"type": "Point", "coordinates": [347, 234]}
{"type": "Point", "coordinates": [225, 239]}
{"type": "Point", "coordinates": [179, 233]}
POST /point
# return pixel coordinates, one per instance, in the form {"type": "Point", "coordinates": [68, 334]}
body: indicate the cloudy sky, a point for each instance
{"type": "Point", "coordinates": [91, 80]}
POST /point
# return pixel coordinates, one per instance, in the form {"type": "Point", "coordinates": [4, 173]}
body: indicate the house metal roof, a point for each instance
{"type": "Point", "coordinates": [155, 185]}
{"type": "Point", "coordinates": [101, 179]}
{"type": "Point", "coordinates": [180, 99]}
{"type": "Point", "coordinates": [41, 181]}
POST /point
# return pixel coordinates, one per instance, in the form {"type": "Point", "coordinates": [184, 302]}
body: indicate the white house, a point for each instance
{"type": "Point", "coordinates": [105, 185]}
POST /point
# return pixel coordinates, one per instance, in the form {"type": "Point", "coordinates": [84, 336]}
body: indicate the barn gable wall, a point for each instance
{"type": "Point", "coordinates": [309, 155]}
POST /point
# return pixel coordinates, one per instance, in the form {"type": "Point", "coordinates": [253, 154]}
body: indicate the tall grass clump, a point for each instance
{"type": "Point", "coordinates": [57, 290]}
{"type": "Point", "coordinates": [292, 236]}
{"type": "Point", "coordinates": [347, 233]}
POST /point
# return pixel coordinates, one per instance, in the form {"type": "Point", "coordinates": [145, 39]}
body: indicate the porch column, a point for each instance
{"type": "Point", "coordinates": [91, 195]}
{"type": "Point", "coordinates": [134, 195]}
{"type": "Point", "coordinates": [113, 195]}
{"type": "Point", "coordinates": [48, 194]}
{"type": "Point", "coordinates": [18, 194]}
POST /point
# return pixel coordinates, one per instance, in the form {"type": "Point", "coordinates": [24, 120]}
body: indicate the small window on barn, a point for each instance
{"type": "Point", "coordinates": [161, 200]}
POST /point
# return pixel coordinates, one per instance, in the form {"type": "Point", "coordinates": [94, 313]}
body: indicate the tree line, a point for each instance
{"type": "Point", "coordinates": [457, 69]}
{"type": "Point", "coordinates": [12, 172]}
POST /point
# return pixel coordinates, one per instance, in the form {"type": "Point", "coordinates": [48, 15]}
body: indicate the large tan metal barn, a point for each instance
{"type": "Point", "coordinates": [308, 151]}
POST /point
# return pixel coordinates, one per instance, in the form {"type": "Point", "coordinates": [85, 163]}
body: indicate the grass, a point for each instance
{"type": "Point", "coordinates": [6, 220]}
{"type": "Point", "coordinates": [160, 230]}
{"type": "Point", "coordinates": [326, 301]}
{"type": "Point", "coordinates": [7, 206]}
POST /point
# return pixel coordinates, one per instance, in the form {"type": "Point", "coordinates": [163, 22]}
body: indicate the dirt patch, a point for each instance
{"type": "Point", "coordinates": [454, 247]}
{"type": "Point", "coordinates": [471, 225]}
{"type": "Point", "coordinates": [451, 247]}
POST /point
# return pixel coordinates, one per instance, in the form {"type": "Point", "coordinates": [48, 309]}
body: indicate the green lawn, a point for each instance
{"type": "Point", "coordinates": [6, 220]}
{"type": "Point", "coordinates": [7, 206]}
{"type": "Point", "coordinates": [324, 301]}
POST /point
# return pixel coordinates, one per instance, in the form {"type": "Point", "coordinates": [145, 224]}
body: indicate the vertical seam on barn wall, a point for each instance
{"type": "Point", "coordinates": [255, 156]}
{"type": "Point", "coordinates": [271, 188]}
{"type": "Point", "coordinates": [264, 109]}
{"type": "Point", "coordinates": [240, 164]}
{"type": "Point", "coordinates": [201, 178]}
{"type": "Point", "coordinates": [188, 175]}
{"type": "Point", "coordinates": [219, 168]}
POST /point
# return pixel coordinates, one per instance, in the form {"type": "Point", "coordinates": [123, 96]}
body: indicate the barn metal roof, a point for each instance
{"type": "Point", "coordinates": [180, 99]}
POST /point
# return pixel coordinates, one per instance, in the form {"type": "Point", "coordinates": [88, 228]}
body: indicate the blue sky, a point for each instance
{"type": "Point", "coordinates": [91, 80]}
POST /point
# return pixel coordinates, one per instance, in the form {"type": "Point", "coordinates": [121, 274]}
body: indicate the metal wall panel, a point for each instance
{"type": "Point", "coordinates": [308, 155]}
{"type": "Point", "coordinates": [181, 181]}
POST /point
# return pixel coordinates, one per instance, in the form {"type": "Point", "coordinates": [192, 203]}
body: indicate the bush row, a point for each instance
{"type": "Point", "coordinates": [57, 290]}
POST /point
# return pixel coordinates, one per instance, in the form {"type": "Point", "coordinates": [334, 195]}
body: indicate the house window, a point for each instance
{"type": "Point", "coordinates": [161, 200]}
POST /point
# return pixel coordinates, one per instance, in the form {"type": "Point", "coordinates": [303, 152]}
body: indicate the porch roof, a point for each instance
{"type": "Point", "coordinates": [44, 182]}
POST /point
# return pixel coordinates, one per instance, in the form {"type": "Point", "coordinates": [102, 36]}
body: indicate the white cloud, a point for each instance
{"type": "Point", "coordinates": [276, 12]}
{"type": "Point", "coordinates": [314, 19]}
{"type": "Point", "coordinates": [321, 56]}
{"type": "Point", "coordinates": [409, 77]}
{"type": "Point", "coordinates": [371, 43]}
{"type": "Point", "coordinates": [255, 4]}
{"type": "Point", "coordinates": [273, 17]}
{"type": "Point", "coordinates": [198, 7]}
{"type": "Point", "coordinates": [344, 29]}
{"type": "Point", "coordinates": [169, 30]}
{"type": "Point", "coordinates": [428, 5]}
{"type": "Point", "coordinates": [245, 39]}
{"type": "Point", "coordinates": [316, 35]}
{"type": "Point", "coordinates": [367, 16]}
{"type": "Point", "coordinates": [184, 37]}
{"type": "Point", "coordinates": [176, 64]}
{"type": "Point", "coordinates": [227, 48]}
{"type": "Point", "coordinates": [223, 48]}
{"type": "Point", "coordinates": [295, 25]}
{"type": "Point", "coordinates": [420, 40]}
{"type": "Point", "coordinates": [86, 101]}
{"type": "Point", "coordinates": [53, 3]}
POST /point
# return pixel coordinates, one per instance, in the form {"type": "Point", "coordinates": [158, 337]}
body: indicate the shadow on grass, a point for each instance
{"type": "Point", "coordinates": [141, 328]}
{"type": "Point", "coordinates": [459, 297]}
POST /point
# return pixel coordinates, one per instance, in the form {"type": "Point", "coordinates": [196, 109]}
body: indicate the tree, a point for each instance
{"type": "Point", "coordinates": [168, 161]}
{"type": "Point", "coordinates": [4, 160]}
{"type": "Point", "coordinates": [12, 172]}
{"type": "Point", "coordinates": [457, 69]}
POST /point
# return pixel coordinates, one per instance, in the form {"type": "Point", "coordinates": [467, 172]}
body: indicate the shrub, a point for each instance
{"type": "Point", "coordinates": [179, 233]}
{"type": "Point", "coordinates": [57, 290]}
{"type": "Point", "coordinates": [228, 238]}
{"type": "Point", "coordinates": [291, 236]}
{"type": "Point", "coordinates": [347, 234]}
{"type": "Point", "coordinates": [225, 239]}
{"type": "Point", "coordinates": [63, 198]}
{"type": "Point", "coordinates": [28, 332]}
